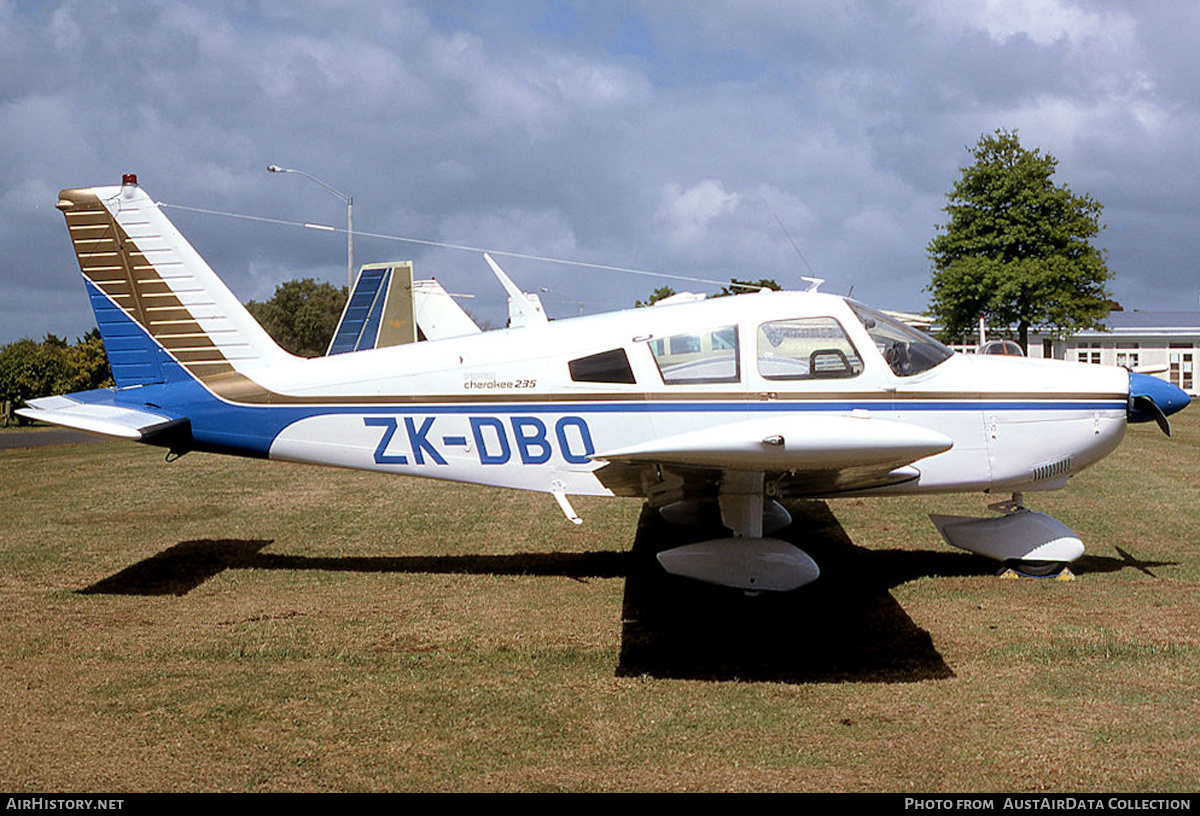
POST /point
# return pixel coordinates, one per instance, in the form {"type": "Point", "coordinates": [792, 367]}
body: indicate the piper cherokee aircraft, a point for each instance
{"type": "Point", "coordinates": [706, 408]}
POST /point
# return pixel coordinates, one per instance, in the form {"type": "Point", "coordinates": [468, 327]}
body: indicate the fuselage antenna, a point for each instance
{"type": "Point", "coordinates": [814, 282]}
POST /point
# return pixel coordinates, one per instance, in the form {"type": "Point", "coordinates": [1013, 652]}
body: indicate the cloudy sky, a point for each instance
{"type": "Point", "coordinates": [672, 137]}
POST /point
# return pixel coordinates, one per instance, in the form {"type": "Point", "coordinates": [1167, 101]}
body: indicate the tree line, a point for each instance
{"type": "Point", "coordinates": [30, 369]}
{"type": "Point", "coordinates": [301, 316]}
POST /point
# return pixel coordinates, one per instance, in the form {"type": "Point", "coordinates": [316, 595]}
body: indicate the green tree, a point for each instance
{"type": "Point", "coordinates": [735, 287]}
{"type": "Point", "coordinates": [1017, 249]}
{"type": "Point", "coordinates": [661, 293]}
{"type": "Point", "coordinates": [302, 315]}
{"type": "Point", "coordinates": [742, 287]}
{"type": "Point", "coordinates": [29, 369]}
{"type": "Point", "coordinates": [89, 363]}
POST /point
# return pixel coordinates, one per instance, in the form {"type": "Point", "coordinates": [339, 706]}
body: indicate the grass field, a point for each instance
{"type": "Point", "coordinates": [222, 624]}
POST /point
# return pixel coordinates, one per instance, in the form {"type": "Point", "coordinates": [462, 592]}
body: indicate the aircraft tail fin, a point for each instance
{"type": "Point", "coordinates": [387, 307]}
{"type": "Point", "coordinates": [379, 310]}
{"type": "Point", "coordinates": [156, 301]}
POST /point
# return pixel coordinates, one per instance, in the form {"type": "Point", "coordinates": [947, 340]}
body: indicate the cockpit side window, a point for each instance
{"type": "Point", "coordinates": [806, 348]}
{"type": "Point", "coordinates": [906, 350]}
{"type": "Point", "coordinates": [698, 357]}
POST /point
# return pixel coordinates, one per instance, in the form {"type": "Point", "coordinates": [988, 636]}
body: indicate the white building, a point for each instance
{"type": "Point", "coordinates": [1170, 340]}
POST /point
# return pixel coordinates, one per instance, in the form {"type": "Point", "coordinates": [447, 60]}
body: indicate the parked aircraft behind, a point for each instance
{"type": "Point", "coordinates": [721, 407]}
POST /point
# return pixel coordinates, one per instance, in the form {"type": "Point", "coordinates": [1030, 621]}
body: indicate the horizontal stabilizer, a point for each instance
{"type": "Point", "coordinates": [102, 418]}
{"type": "Point", "coordinates": [794, 442]}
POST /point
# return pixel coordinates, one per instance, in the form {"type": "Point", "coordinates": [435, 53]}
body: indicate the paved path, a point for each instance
{"type": "Point", "coordinates": [41, 438]}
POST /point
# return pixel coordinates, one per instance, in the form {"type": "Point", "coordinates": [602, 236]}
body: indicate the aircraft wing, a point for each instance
{"type": "Point", "coordinates": [95, 412]}
{"type": "Point", "coordinates": [789, 443]}
{"type": "Point", "coordinates": [808, 455]}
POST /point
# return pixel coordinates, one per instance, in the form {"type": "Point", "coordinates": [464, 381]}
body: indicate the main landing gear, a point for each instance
{"type": "Point", "coordinates": [748, 560]}
{"type": "Point", "coordinates": [1028, 544]}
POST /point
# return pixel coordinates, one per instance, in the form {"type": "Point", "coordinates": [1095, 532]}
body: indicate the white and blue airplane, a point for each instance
{"type": "Point", "coordinates": [716, 408]}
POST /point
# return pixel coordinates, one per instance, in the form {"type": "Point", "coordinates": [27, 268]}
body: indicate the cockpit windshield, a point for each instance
{"type": "Point", "coordinates": [906, 350]}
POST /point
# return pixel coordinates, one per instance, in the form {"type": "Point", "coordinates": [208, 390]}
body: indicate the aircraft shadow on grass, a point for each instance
{"type": "Point", "coordinates": [846, 627]}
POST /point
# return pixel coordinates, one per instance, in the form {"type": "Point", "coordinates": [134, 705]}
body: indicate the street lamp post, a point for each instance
{"type": "Point", "coordinates": [567, 299]}
{"type": "Point", "coordinates": [275, 168]}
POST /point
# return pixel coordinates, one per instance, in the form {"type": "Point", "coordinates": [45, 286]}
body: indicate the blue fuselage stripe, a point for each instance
{"type": "Point", "coordinates": [251, 426]}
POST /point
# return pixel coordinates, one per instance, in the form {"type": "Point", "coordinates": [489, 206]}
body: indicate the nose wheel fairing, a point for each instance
{"type": "Point", "coordinates": [1018, 536]}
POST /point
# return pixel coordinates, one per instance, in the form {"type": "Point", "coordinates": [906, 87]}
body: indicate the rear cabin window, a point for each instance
{"type": "Point", "coordinates": [605, 367]}
{"type": "Point", "coordinates": [699, 357]}
{"type": "Point", "coordinates": [806, 348]}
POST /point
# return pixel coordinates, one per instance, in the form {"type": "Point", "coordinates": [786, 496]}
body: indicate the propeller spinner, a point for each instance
{"type": "Point", "coordinates": [1152, 399]}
